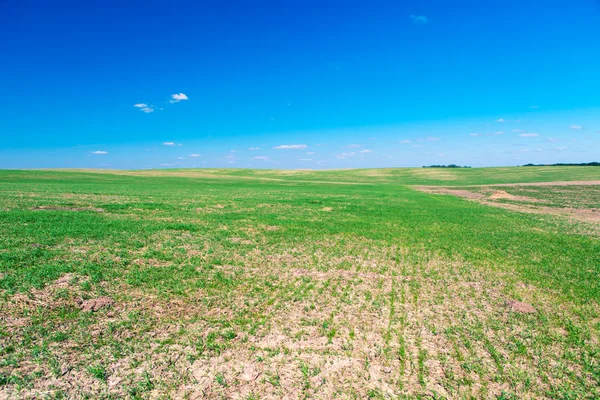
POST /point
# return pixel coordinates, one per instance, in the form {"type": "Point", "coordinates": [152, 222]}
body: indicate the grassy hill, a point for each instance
{"type": "Point", "coordinates": [267, 283]}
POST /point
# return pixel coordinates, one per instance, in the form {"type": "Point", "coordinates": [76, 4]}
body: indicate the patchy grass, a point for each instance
{"type": "Point", "coordinates": [265, 284]}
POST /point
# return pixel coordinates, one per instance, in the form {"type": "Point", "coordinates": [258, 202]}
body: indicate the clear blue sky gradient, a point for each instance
{"type": "Point", "coordinates": [350, 83]}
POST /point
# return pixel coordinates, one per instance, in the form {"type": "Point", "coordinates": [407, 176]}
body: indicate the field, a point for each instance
{"type": "Point", "coordinates": [264, 284]}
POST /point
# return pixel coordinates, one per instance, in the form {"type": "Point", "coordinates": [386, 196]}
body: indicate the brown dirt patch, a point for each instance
{"type": "Point", "coordinates": [96, 304]}
{"type": "Point", "coordinates": [583, 215]}
{"type": "Point", "coordinates": [501, 194]}
{"type": "Point", "coordinates": [559, 183]}
{"type": "Point", "coordinates": [454, 192]}
{"type": "Point", "coordinates": [520, 307]}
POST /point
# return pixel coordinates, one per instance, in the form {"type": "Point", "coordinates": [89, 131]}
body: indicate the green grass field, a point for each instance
{"type": "Point", "coordinates": [264, 284]}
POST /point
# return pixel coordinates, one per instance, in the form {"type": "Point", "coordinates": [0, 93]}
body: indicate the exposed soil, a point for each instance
{"type": "Point", "coordinates": [520, 307]}
{"type": "Point", "coordinates": [501, 194]}
{"type": "Point", "coordinates": [579, 214]}
{"type": "Point", "coordinates": [574, 213]}
{"type": "Point", "coordinates": [455, 192]}
{"type": "Point", "coordinates": [560, 183]}
{"type": "Point", "coordinates": [96, 304]}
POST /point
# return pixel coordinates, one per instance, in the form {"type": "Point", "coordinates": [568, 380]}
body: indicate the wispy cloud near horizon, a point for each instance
{"type": "Point", "coordinates": [291, 147]}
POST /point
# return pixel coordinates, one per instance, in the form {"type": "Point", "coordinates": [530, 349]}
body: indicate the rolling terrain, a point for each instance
{"type": "Point", "coordinates": [258, 284]}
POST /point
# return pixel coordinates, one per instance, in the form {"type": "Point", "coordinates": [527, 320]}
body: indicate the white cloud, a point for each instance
{"type": "Point", "coordinates": [499, 133]}
{"type": "Point", "coordinates": [310, 153]}
{"type": "Point", "coordinates": [254, 148]}
{"type": "Point", "coordinates": [181, 158]}
{"type": "Point", "coordinates": [177, 97]}
{"type": "Point", "coordinates": [305, 159]}
{"type": "Point", "coordinates": [366, 151]}
{"type": "Point", "coordinates": [518, 130]}
{"type": "Point", "coordinates": [576, 127]}
{"type": "Point", "coordinates": [143, 107]}
{"type": "Point", "coordinates": [291, 147]}
{"type": "Point", "coordinates": [474, 134]}
{"type": "Point", "coordinates": [552, 140]}
{"type": "Point", "coordinates": [353, 146]}
{"type": "Point", "coordinates": [500, 120]}
{"type": "Point", "coordinates": [168, 143]}
{"type": "Point", "coordinates": [419, 19]}
{"type": "Point", "coordinates": [195, 155]}
{"type": "Point", "coordinates": [406, 141]}
{"type": "Point", "coordinates": [166, 165]}
{"type": "Point", "coordinates": [431, 139]}
{"type": "Point", "coordinates": [264, 158]}
{"type": "Point", "coordinates": [529, 135]}
{"type": "Point", "coordinates": [344, 155]}
{"type": "Point", "coordinates": [99, 152]}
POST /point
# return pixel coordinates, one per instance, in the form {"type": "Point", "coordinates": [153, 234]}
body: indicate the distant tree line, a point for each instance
{"type": "Point", "coordinates": [445, 166]}
{"type": "Point", "coordinates": [590, 164]}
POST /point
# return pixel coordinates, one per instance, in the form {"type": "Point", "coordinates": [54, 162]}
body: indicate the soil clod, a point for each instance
{"type": "Point", "coordinates": [96, 304]}
{"type": "Point", "coordinates": [520, 307]}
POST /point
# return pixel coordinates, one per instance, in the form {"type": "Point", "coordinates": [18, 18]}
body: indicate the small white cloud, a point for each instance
{"type": "Point", "coordinates": [310, 153]}
{"type": "Point", "coordinates": [177, 97]}
{"type": "Point", "coordinates": [406, 141]}
{"type": "Point", "coordinates": [181, 158]}
{"type": "Point", "coordinates": [305, 159]}
{"type": "Point", "coordinates": [419, 19]}
{"type": "Point", "coordinates": [552, 140]}
{"type": "Point", "coordinates": [577, 127]}
{"type": "Point", "coordinates": [264, 158]}
{"type": "Point", "coordinates": [518, 130]}
{"type": "Point", "coordinates": [500, 120]}
{"type": "Point", "coordinates": [291, 147]}
{"type": "Point", "coordinates": [529, 135]}
{"type": "Point", "coordinates": [195, 155]}
{"type": "Point", "coordinates": [254, 148]}
{"type": "Point", "coordinates": [474, 134]}
{"type": "Point", "coordinates": [140, 105]}
{"type": "Point", "coordinates": [431, 139]}
{"type": "Point", "coordinates": [166, 165]}
{"type": "Point", "coordinates": [353, 146]}
{"type": "Point", "coordinates": [99, 152]}
{"type": "Point", "coordinates": [168, 143]}
{"type": "Point", "coordinates": [147, 110]}
{"type": "Point", "coordinates": [366, 151]}
{"type": "Point", "coordinates": [344, 155]}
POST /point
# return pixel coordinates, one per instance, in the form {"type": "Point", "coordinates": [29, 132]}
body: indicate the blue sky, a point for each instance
{"type": "Point", "coordinates": [312, 84]}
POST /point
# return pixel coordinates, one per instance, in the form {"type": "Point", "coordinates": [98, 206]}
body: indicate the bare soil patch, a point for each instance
{"type": "Point", "coordinates": [454, 192]}
{"type": "Point", "coordinates": [518, 203]}
{"type": "Point", "coordinates": [96, 304]}
{"type": "Point", "coordinates": [558, 183]}
{"type": "Point", "coordinates": [520, 307]}
{"type": "Point", "coordinates": [501, 194]}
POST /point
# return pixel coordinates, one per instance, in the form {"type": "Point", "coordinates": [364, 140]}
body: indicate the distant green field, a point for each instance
{"type": "Point", "coordinates": [307, 284]}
